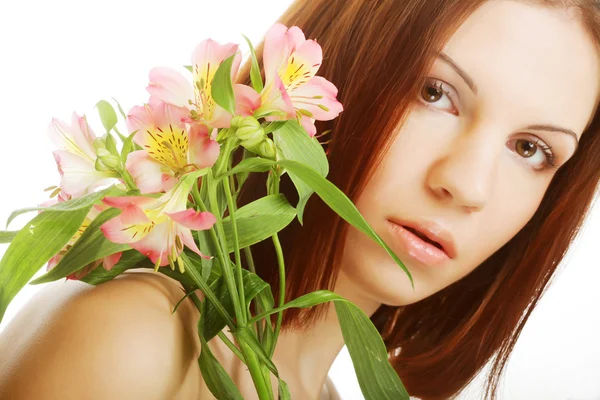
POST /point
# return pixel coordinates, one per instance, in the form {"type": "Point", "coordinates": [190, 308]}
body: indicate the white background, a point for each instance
{"type": "Point", "coordinates": [61, 56]}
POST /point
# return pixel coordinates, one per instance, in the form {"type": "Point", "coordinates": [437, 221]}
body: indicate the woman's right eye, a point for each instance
{"type": "Point", "coordinates": [433, 93]}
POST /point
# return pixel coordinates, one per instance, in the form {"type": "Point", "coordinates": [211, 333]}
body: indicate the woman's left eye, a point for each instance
{"type": "Point", "coordinates": [433, 93]}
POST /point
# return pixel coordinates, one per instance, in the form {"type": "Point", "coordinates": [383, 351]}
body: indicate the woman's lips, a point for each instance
{"type": "Point", "coordinates": [416, 248]}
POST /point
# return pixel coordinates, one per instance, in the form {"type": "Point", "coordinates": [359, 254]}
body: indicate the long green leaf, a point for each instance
{"type": "Point", "coordinates": [216, 378]}
{"type": "Point", "coordinates": [130, 259]}
{"type": "Point", "coordinates": [252, 164]}
{"type": "Point", "coordinates": [339, 203]}
{"type": "Point", "coordinates": [222, 87]}
{"type": "Point", "coordinates": [42, 238]}
{"type": "Point", "coordinates": [255, 78]}
{"type": "Point", "coordinates": [108, 116]}
{"type": "Point", "coordinates": [74, 204]}
{"type": "Point", "coordinates": [293, 143]}
{"type": "Point", "coordinates": [377, 378]}
{"type": "Point", "coordinates": [7, 236]}
{"type": "Point", "coordinates": [260, 220]}
{"type": "Point", "coordinates": [91, 246]}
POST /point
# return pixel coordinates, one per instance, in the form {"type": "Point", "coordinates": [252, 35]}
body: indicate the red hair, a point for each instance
{"type": "Point", "coordinates": [378, 53]}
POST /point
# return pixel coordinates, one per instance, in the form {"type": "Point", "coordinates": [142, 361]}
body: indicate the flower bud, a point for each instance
{"type": "Point", "coordinates": [267, 149]}
{"type": "Point", "coordinates": [250, 132]}
{"type": "Point", "coordinates": [99, 143]}
{"type": "Point", "coordinates": [110, 161]}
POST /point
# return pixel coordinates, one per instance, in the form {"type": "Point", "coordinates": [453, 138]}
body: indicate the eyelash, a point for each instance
{"type": "Point", "coordinates": [550, 159]}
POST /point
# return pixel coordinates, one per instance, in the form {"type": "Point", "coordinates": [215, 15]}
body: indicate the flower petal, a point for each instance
{"type": "Point", "coordinates": [170, 86]}
{"type": "Point", "coordinates": [303, 65]}
{"type": "Point", "coordinates": [276, 99]}
{"type": "Point", "coordinates": [126, 201]}
{"type": "Point", "coordinates": [193, 219]}
{"type": "Point", "coordinates": [246, 100]}
{"type": "Point", "coordinates": [79, 176]}
{"type": "Point", "coordinates": [318, 96]}
{"type": "Point", "coordinates": [158, 243]}
{"type": "Point", "coordinates": [118, 232]}
{"type": "Point", "coordinates": [188, 240]}
{"type": "Point", "coordinates": [277, 49]}
{"type": "Point", "coordinates": [309, 125]}
{"type": "Point", "coordinates": [203, 151]}
{"type": "Point", "coordinates": [146, 172]}
{"type": "Point", "coordinates": [111, 261]}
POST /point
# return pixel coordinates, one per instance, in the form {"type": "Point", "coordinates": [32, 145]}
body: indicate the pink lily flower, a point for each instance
{"type": "Point", "coordinates": [158, 228]}
{"type": "Point", "coordinates": [107, 262]}
{"type": "Point", "coordinates": [171, 87]}
{"type": "Point", "coordinates": [76, 157]}
{"type": "Point", "coordinates": [291, 89]}
{"type": "Point", "coordinates": [170, 148]}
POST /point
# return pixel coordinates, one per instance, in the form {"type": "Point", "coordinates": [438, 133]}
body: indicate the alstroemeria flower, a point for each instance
{"type": "Point", "coordinates": [291, 87]}
{"type": "Point", "coordinates": [171, 87]}
{"type": "Point", "coordinates": [76, 157]}
{"type": "Point", "coordinates": [170, 147]}
{"type": "Point", "coordinates": [107, 262]}
{"type": "Point", "coordinates": [158, 228]}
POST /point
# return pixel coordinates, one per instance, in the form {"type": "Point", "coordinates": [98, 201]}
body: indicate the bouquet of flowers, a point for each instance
{"type": "Point", "coordinates": [165, 198]}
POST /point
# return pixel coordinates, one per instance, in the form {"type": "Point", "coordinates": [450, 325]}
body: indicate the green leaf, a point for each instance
{"type": "Point", "coordinates": [284, 391]}
{"type": "Point", "coordinates": [189, 68]}
{"type": "Point", "coordinates": [339, 203]}
{"type": "Point", "coordinates": [91, 246]}
{"type": "Point", "coordinates": [7, 236]}
{"type": "Point", "coordinates": [70, 205]}
{"type": "Point", "coordinates": [293, 143]}
{"type": "Point", "coordinates": [108, 116]}
{"type": "Point", "coordinates": [216, 378]}
{"type": "Point", "coordinates": [252, 164]}
{"type": "Point", "coordinates": [41, 239]}
{"type": "Point", "coordinates": [377, 378]}
{"type": "Point", "coordinates": [129, 260]}
{"type": "Point", "coordinates": [111, 144]}
{"type": "Point", "coordinates": [253, 286]}
{"type": "Point", "coordinates": [120, 108]}
{"type": "Point", "coordinates": [128, 147]}
{"type": "Point", "coordinates": [259, 220]}
{"type": "Point", "coordinates": [222, 87]}
{"type": "Point", "coordinates": [255, 77]}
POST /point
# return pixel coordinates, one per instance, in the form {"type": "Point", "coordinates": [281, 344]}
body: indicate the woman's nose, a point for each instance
{"type": "Point", "coordinates": [463, 176]}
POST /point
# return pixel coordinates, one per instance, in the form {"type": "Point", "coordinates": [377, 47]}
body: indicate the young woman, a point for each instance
{"type": "Point", "coordinates": [471, 123]}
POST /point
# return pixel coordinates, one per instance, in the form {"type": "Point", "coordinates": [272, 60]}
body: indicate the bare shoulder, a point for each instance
{"type": "Point", "coordinates": [115, 340]}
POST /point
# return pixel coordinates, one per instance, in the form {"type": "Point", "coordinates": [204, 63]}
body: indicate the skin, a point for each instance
{"type": "Point", "coordinates": [460, 167]}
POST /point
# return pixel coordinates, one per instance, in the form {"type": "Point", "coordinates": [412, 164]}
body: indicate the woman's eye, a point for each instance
{"type": "Point", "coordinates": [536, 153]}
{"type": "Point", "coordinates": [435, 94]}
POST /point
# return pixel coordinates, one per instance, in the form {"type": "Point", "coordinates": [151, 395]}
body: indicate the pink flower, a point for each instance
{"type": "Point", "coordinates": [291, 89]}
{"type": "Point", "coordinates": [107, 262]}
{"type": "Point", "coordinates": [171, 87]}
{"type": "Point", "coordinates": [170, 147]}
{"type": "Point", "coordinates": [76, 157]}
{"type": "Point", "coordinates": [158, 228]}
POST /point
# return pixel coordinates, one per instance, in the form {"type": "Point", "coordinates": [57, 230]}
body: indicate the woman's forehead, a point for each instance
{"type": "Point", "coordinates": [530, 61]}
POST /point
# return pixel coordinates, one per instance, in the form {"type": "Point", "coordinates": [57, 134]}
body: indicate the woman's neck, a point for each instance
{"type": "Point", "coordinates": [306, 356]}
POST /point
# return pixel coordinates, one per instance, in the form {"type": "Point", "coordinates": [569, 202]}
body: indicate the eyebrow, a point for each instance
{"type": "Point", "coordinates": [469, 81]}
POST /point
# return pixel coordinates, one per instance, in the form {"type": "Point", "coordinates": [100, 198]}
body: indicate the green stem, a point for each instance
{"type": "Point", "coordinates": [281, 265]}
{"type": "Point", "coordinates": [236, 247]}
{"type": "Point", "coordinates": [210, 295]}
{"type": "Point", "coordinates": [229, 279]}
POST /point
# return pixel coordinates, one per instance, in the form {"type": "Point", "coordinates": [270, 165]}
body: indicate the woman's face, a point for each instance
{"type": "Point", "coordinates": [473, 156]}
